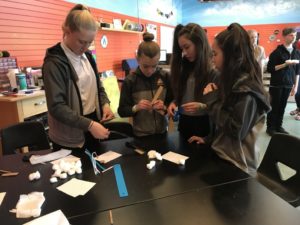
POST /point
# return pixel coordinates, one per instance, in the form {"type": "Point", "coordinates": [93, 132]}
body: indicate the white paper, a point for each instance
{"type": "Point", "coordinates": [108, 156]}
{"type": "Point", "coordinates": [285, 172]}
{"type": "Point", "coordinates": [54, 218]}
{"type": "Point", "coordinates": [2, 195]}
{"type": "Point", "coordinates": [76, 187]}
{"type": "Point", "coordinates": [35, 159]}
{"type": "Point", "coordinates": [174, 157]}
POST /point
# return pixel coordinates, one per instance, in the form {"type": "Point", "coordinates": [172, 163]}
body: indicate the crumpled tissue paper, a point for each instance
{"type": "Point", "coordinates": [29, 205]}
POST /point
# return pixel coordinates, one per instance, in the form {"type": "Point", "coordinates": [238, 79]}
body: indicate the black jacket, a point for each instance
{"type": "Point", "coordinates": [284, 77]}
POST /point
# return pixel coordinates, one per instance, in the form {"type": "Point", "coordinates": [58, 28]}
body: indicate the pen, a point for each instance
{"type": "Point", "coordinates": [111, 220]}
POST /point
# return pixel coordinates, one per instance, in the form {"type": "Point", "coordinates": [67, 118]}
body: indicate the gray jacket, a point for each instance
{"type": "Point", "coordinates": [237, 123]}
{"type": "Point", "coordinates": [65, 113]}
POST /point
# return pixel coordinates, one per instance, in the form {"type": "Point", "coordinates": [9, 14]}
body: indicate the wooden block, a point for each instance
{"type": "Point", "coordinates": [157, 94]}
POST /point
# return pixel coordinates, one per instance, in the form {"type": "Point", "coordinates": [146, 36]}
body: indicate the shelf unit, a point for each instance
{"type": "Point", "coordinates": [118, 30]}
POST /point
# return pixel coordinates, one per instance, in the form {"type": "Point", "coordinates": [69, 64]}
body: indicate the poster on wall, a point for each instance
{"type": "Point", "coordinates": [166, 38]}
{"type": "Point", "coordinates": [152, 28]}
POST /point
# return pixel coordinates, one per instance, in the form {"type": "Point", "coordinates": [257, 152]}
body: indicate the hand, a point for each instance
{"type": "Point", "coordinates": [209, 88]}
{"type": "Point", "coordinates": [197, 139]}
{"type": "Point", "coordinates": [107, 113]}
{"type": "Point", "coordinates": [158, 105]}
{"type": "Point", "coordinates": [144, 105]}
{"type": "Point", "coordinates": [293, 91]}
{"type": "Point", "coordinates": [192, 107]}
{"type": "Point", "coordinates": [98, 131]}
{"type": "Point", "coordinates": [171, 109]}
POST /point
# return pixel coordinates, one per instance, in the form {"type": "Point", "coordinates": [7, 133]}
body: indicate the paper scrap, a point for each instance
{"type": "Point", "coordinates": [108, 156]}
{"type": "Point", "coordinates": [2, 195]}
{"type": "Point", "coordinates": [174, 157]}
{"type": "Point", "coordinates": [55, 218]}
{"type": "Point", "coordinates": [75, 187]}
{"type": "Point", "coordinates": [35, 159]}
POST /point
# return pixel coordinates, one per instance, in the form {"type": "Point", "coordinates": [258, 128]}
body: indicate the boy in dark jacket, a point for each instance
{"type": "Point", "coordinates": [283, 66]}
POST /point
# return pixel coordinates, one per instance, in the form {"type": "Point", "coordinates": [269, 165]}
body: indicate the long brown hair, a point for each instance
{"type": "Point", "coordinates": [238, 60]}
{"type": "Point", "coordinates": [181, 67]}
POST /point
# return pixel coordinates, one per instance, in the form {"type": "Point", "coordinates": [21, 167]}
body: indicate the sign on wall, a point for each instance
{"type": "Point", "coordinates": [104, 41]}
{"type": "Point", "coordinates": [166, 38]}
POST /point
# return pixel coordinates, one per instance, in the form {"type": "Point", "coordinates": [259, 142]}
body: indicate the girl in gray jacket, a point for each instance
{"type": "Point", "coordinates": [238, 103]}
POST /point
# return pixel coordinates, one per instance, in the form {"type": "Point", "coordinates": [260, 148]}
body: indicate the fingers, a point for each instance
{"type": "Point", "coordinates": [191, 106]}
{"type": "Point", "coordinates": [144, 104]}
{"type": "Point", "coordinates": [98, 131]}
{"type": "Point", "coordinates": [192, 139]}
{"type": "Point", "coordinates": [107, 117]}
{"type": "Point", "coordinates": [158, 105]}
{"type": "Point", "coordinates": [105, 135]}
{"type": "Point", "coordinates": [209, 88]}
{"type": "Point", "coordinates": [171, 109]}
{"type": "Point", "coordinates": [197, 139]}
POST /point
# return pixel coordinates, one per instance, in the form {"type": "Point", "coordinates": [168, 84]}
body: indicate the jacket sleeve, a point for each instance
{"type": "Point", "coordinates": [169, 94]}
{"type": "Point", "coordinates": [234, 120]}
{"type": "Point", "coordinates": [126, 101]}
{"type": "Point", "coordinates": [56, 86]}
{"type": "Point", "coordinates": [103, 96]}
{"type": "Point", "coordinates": [272, 62]}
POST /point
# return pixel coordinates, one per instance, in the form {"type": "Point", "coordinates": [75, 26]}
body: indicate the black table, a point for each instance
{"type": "Point", "coordinates": [202, 170]}
{"type": "Point", "coordinates": [243, 202]}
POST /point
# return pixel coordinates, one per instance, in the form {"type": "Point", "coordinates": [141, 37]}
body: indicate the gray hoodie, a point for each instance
{"type": "Point", "coordinates": [65, 113]}
{"type": "Point", "coordinates": [238, 123]}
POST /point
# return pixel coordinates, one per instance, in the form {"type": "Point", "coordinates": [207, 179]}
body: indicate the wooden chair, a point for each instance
{"type": "Point", "coordinates": [25, 134]}
{"type": "Point", "coordinates": [283, 149]}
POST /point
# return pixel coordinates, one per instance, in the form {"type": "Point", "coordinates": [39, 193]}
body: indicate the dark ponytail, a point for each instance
{"type": "Point", "coordinates": [238, 59]}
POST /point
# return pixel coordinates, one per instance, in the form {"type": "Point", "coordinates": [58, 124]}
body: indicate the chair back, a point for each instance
{"type": "Point", "coordinates": [25, 134]}
{"type": "Point", "coordinates": [128, 65]}
{"type": "Point", "coordinates": [119, 130]}
{"type": "Point", "coordinates": [285, 149]}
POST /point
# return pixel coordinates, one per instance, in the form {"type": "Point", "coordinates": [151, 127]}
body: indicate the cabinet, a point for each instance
{"type": "Point", "coordinates": [15, 109]}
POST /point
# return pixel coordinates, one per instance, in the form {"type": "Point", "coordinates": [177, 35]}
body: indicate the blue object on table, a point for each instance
{"type": "Point", "coordinates": [120, 181]}
{"type": "Point", "coordinates": [94, 162]}
{"type": "Point", "coordinates": [177, 114]}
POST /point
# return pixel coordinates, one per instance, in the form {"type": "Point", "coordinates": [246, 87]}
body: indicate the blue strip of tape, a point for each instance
{"type": "Point", "coordinates": [120, 181]}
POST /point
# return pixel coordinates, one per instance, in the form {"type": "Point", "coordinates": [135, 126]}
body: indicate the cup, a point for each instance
{"type": "Point", "coordinates": [21, 81]}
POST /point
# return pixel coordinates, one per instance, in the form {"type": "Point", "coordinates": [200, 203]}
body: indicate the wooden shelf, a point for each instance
{"type": "Point", "coordinates": [117, 30]}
